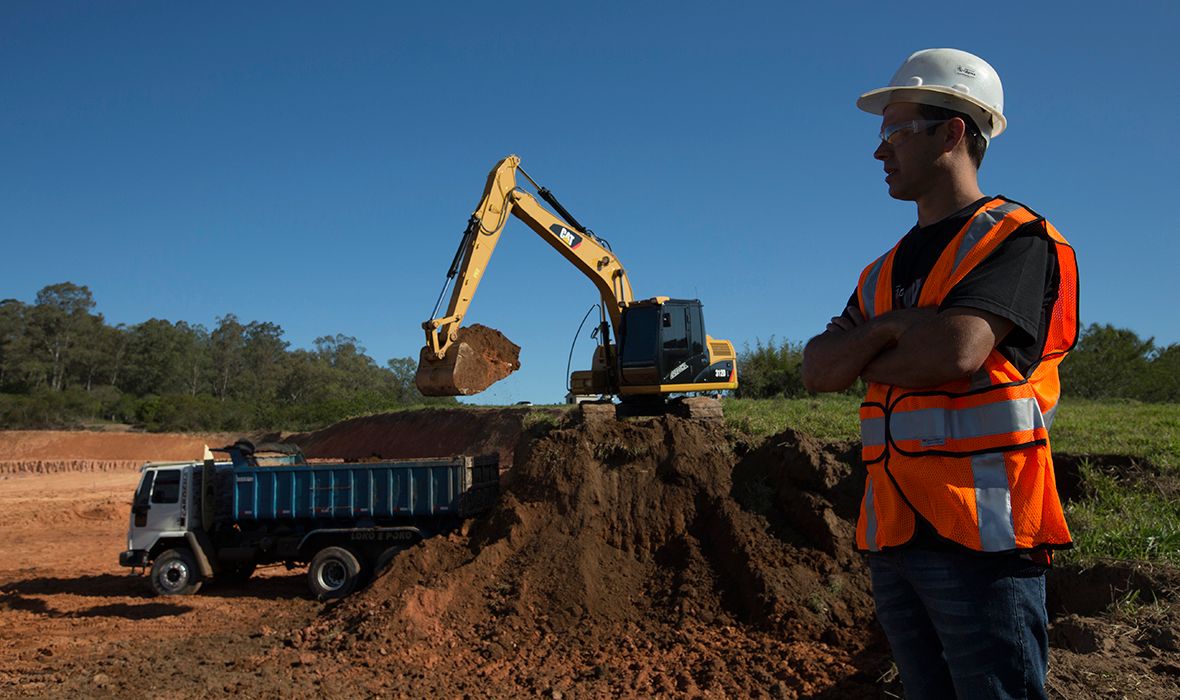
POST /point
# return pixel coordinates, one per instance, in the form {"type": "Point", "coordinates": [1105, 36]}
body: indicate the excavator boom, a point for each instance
{"type": "Point", "coordinates": [460, 361]}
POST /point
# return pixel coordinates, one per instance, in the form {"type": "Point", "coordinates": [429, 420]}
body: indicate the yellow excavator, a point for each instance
{"type": "Point", "coordinates": [660, 345]}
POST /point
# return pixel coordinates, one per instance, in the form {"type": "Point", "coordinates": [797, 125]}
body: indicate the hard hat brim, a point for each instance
{"type": "Point", "coordinates": [875, 102]}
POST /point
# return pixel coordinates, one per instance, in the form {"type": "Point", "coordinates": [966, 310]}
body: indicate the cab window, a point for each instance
{"type": "Point", "coordinates": [167, 488]}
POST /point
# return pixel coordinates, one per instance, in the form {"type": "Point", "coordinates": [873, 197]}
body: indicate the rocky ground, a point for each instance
{"type": "Point", "coordinates": [638, 558]}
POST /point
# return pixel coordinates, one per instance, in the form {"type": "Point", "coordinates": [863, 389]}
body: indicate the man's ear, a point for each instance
{"type": "Point", "coordinates": [956, 131]}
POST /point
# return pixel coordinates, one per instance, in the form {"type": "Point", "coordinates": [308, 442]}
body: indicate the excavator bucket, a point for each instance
{"type": "Point", "coordinates": [478, 358]}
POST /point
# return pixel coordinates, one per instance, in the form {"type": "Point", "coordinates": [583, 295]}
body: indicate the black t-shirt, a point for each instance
{"type": "Point", "coordinates": [1018, 281]}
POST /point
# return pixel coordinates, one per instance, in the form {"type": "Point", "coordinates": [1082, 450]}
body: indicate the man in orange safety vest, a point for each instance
{"type": "Point", "coordinates": [958, 331]}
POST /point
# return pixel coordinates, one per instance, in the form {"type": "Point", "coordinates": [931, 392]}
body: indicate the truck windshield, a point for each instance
{"type": "Point", "coordinates": [144, 490]}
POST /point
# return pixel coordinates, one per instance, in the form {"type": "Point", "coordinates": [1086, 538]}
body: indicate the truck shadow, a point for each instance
{"type": "Point", "coordinates": [274, 587]}
{"type": "Point", "coordinates": [10, 600]}
{"type": "Point", "coordinates": [91, 585]}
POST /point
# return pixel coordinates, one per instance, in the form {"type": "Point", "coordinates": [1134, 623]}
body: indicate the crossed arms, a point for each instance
{"type": "Point", "coordinates": [909, 347]}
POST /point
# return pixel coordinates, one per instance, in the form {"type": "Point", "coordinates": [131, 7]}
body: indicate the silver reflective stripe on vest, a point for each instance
{"type": "Point", "coordinates": [980, 225]}
{"type": "Point", "coordinates": [870, 287]}
{"type": "Point", "coordinates": [870, 516]}
{"type": "Point", "coordinates": [935, 426]}
{"type": "Point", "coordinates": [872, 431]}
{"type": "Point", "coordinates": [993, 503]}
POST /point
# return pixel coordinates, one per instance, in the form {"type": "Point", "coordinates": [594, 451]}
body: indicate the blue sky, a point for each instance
{"type": "Point", "coordinates": [314, 165]}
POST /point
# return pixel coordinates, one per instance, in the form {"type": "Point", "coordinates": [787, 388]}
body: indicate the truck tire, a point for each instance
{"type": "Point", "coordinates": [386, 558]}
{"type": "Point", "coordinates": [175, 572]}
{"type": "Point", "coordinates": [334, 573]}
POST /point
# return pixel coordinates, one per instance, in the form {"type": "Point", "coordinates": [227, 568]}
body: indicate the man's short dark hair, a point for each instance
{"type": "Point", "coordinates": [976, 145]}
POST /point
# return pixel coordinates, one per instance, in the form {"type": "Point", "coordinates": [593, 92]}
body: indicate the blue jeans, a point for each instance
{"type": "Point", "coordinates": [961, 625]}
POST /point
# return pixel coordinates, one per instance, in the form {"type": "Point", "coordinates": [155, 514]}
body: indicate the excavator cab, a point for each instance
{"type": "Point", "coordinates": [662, 348]}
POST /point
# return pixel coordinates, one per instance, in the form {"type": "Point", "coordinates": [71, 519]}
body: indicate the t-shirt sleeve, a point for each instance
{"type": "Point", "coordinates": [852, 301]}
{"type": "Point", "coordinates": [1011, 283]}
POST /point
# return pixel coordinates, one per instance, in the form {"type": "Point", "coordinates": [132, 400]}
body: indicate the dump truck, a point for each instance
{"type": "Point", "coordinates": [648, 349]}
{"type": "Point", "coordinates": [220, 519]}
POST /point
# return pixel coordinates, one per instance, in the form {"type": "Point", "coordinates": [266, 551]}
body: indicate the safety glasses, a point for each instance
{"type": "Point", "coordinates": [896, 134]}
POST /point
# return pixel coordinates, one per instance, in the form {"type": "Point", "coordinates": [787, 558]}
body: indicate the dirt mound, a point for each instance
{"type": "Point", "coordinates": [631, 558]}
{"type": "Point", "coordinates": [425, 433]}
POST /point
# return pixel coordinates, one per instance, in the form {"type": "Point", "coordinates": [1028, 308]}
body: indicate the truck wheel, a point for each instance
{"type": "Point", "coordinates": [175, 573]}
{"type": "Point", "coordinates": [334, 573]}
{"type": "Point", "coordinates": [386, 558]}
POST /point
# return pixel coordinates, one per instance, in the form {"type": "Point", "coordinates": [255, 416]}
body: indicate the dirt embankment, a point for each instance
{"type": "Point", "coordinates": [442, 432]}
{"type": "Point", "coordinates": [51, 451]}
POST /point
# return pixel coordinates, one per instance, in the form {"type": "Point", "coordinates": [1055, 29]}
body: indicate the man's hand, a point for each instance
{"type": "Point", "coordinates": [843, 322]}
{"type": "Point", "coordinates": [835, 358]}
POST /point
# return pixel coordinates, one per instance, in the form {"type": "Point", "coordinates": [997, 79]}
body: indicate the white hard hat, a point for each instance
{"type": "Point", "coordinates": [947, 78]}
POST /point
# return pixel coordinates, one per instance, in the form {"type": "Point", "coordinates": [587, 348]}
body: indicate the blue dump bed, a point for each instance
{"type": "Point", "coordinates": [379, 491]}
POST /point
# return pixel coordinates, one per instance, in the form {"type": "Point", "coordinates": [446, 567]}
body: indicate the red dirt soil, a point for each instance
{"type": "Point", "coordinates": [425, 433]}
{"type": "Point", "coordinates": [640, 558]}
{"type": "Point", "coordinates": [45, 451]}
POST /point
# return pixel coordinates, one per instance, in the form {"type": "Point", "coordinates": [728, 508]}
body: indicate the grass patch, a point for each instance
{"type": "Point", "coordinates": [1146, 430]}
{"type": "Point", "coordinates": [1119, 519]}
{"type": "Point", "coordinates": [826, 416]}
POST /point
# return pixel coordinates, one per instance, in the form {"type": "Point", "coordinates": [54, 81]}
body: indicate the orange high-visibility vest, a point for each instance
{"type": "Point", "coordinates": [971, 457]}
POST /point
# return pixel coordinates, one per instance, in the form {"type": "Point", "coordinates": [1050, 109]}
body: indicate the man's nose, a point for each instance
{"type": "Point", "coordinates": [882, 151]}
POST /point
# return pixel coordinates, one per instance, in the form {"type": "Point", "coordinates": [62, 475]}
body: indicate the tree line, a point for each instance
{"type": "Point", "coordinates": [1106, 363]}
{"type": "Point", "coordinates": [62, 364]}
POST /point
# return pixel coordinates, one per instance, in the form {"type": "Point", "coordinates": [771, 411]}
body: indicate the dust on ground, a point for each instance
{"type": "Point", "coordinates": [649, 557]}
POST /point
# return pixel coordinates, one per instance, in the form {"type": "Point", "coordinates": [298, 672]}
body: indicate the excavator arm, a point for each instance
{"type": "Point", "coordinates": [440, 364]}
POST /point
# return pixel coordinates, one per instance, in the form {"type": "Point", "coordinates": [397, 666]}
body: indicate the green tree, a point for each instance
{"type": "Point", "coordinates": [1108, 362]}
{"type": "Point", "coordinates": [403, 370]}
{"type": "Point", "coordinates": [770, 370]}
{"type": "Point", "coordinates": [1160, 381]}
{"type": "Point", "coordinates": [156, 358]}
{"type": "Point", "coordinates": [226, 343]}
{"type": "Point", "coordinates": [14, 349]}
{"type": "Point", "coordinates": [264, 355]}
{"type": "Point", "coordinates": [60, 316]}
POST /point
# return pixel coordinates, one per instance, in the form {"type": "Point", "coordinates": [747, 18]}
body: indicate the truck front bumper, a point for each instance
{"type": "Point", "coordinates": [134, 558]}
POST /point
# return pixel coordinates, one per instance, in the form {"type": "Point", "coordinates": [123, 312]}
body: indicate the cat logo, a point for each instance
{"type": "Point", "coordinates": [567, 236]}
